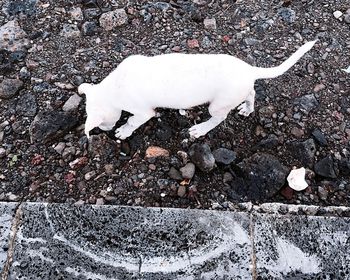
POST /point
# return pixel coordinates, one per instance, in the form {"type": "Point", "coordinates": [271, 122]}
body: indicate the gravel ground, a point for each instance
{"type": "Point", "coordinates": [48, 48]}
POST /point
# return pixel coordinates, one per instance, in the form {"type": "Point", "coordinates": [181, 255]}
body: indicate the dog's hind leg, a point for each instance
{"type": "Point", "coordinates": [132, 124]}
{"type": "Point", "coordinates": [218, 111]}
{"type": "Point", "coordinates": [247, 107]}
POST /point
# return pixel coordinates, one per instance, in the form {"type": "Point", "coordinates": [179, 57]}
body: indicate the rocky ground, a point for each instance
{"type": "Point", "coordinates": [48, 48]}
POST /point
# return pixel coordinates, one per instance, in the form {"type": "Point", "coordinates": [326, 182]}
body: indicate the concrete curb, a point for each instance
{"type": "Point", "coordinates": [271, 241]}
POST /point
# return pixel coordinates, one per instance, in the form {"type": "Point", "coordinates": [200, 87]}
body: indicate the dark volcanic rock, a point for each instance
{"type": "Point", "coordinates": [307, 103]}
{"type": "Point", "coordinates": [304, 152]}
{"type": "Point", "coordinates": [14, 7]}
{"type": "Point", "coordinates": [344, 167]}
{"type": "Point", "coordinates": [26, 105]}
{"type": "Point", "coordinates": [9, 87]}
{"type": "Point", "coordinates": [325, 167]}
{"type": "Point", "coordinates": [260, 176]}
{"type": "Point", "coordinates": [47, 126]}
{"type": "Point", "coordinates": [319, 137]}
{"type": "Point", "coordinates": [202, 157]}
{"type": "Point", "coordinates": [224, 156]}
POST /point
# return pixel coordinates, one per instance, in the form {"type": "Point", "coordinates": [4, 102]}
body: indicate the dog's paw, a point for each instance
{"type": "Point", "coordinates": [197, 131]}
{"type": "Point", "coordinates": [122, 133]}
{"type": "Point", "coordinates": [244, 110]}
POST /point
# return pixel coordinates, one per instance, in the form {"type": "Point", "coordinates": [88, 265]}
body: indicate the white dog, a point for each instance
{"type": "Point", "coordinates": [178, 81]}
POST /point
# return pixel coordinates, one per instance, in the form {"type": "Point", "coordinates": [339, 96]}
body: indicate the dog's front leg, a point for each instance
{"type": "Point", "coordinates": [132, 124]}
{"type": "Point", "coordinates": [218, 112]}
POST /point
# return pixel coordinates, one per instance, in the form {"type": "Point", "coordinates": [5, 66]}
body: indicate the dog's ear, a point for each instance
{"type": "Point", "coordinates": [85, 88]}
{"type": "Point", "coordinates": [90, 123]}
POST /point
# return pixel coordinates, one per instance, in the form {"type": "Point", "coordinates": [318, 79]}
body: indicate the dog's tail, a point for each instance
{"type": "Point", "coordinates": [267, 73]}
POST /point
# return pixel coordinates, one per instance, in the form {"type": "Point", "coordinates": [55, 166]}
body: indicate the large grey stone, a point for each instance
{"type": "Point", "coordinates": [87, 242]}
{"type": "Point", "coordinates": [302, 247]}
{"type": "Point", "coordinates": [12, 37]}
{"type": "Point", "coordinates": [7, 213]}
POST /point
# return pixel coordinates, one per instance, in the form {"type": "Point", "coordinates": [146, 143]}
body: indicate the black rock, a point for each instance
{"type": "Point", "coordinates": [50, 125]}
{"type": "Point", "coordinates": [89, 28]}
{"type": "Point", "coordinates": [224, 156]}
{"type": "Point", "coordinates": [174, 174]}
{"type": "Point", "coordinates": [269, 142]}
{"type": "Point", "coordinates": [307, 103]}
{"type": "Point", "coordinates": [319, 137]}
{"type": "Point", "coordinates": [164, 132]}
{"type": "Point", "coordinates": [326, 168]}
{"type": "Point", "coordinates": [202, 157]}
{"type": "Point", "coordinates": [17, 56]}
{"type": "Point", "coordinates": [258, 178]}
{"type": "Point", "coordinates": [10, 87]}
{"type": "Point", "coordinates": [26, 105]}
{"type": "Point", "coordinates": [304, 152]}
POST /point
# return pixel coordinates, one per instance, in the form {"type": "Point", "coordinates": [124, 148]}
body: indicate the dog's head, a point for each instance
{"type": "Point", "coordinates": [98, 110]}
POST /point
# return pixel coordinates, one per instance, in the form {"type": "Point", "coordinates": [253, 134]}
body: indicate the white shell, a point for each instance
{"type": "Point", "coordinates": [296, 179]}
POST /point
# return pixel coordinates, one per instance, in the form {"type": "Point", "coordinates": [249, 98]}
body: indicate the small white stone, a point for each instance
{"type": "Point", "coordinates": [296, 179]}
{"type": "Point", "coordinates": [210, 23]}
{"type": "Point", "coordinates": [337, 14]}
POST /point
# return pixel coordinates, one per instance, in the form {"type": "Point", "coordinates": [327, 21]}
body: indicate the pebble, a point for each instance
{"type": "Point", "coordinates": [70, 31]}
{"type": "Point", "coordinates": [89, 28]}
{"type": "Point", "coordinates": [72, 103]}
{"type": "Point", "coordinates": [202, 157]}
{"type": "Point", "coordinates": [89, 175]}
{"type": "Point", "coordinates": [188, 170]}
{"type": "Point", "coordinates": [181, 191]}
{"type": "Point", "coordinates": [224, 156]}
{"type": "Point", "coordinates": [192, 43]}
{"type": "Point", "coordinates": [76, 14]}
{"type": "Point", "coordinates": [12, 37]}
{"type": "Point", "coordinates": [337, 14]}
{"type": "Point", "coordinates": [325, 168]}
{"type": "Point", "coordinates": [210, 23]}
{"type": "Point", "coordinates": [100, 201]}
{"type": "Point", "coordinates": [113, 19]}
{"type": "Point", "coordinates": [322, 193]}
{"type": "Point", "coordinates": [297, 132]}
{"type": "Point", "coordinates": [347, 18]}
{"type": "Point", "coordinates": [60, 147]}
{"type": "Point", "coordinates": [287, 14]}
{"type": "Point", "coordinates": [174, 174]}
{"type": "Point", "coordinates": [319, 137]}
{"type": "Point", "coordinates": [154, 151]}
{"type": "Point", "coordinates": [10, 87]}
{"type": "Point", "coordinates": [227, 177]}
{"type": "Point", "coordinates": [109, 169]}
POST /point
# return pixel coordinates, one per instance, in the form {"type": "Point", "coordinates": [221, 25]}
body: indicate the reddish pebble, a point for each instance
{"type": "Point", "coordinates": [287, 192]}
{"type": "Point", "coordinates": [193, 43]}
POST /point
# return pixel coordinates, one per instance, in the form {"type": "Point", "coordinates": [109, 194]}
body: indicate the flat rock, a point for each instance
{"type": "Point", "coordinates": [72, 103]}
{"type": "Point", "coordinates": [260, 176]}
{"type": "Point", "coordinates": [202, 157]}
{"type": "Point", "coordinates": [107, 242]}
{"type": "Point", "coordinates": [12, 37]}
{"type": "Point", "coordinates": [26, 105]}
{"type": "Point", "coordinates": [10, 87]}
{"type": "Point", "coordinates": [113, 19]}
{"type": "Point", "coordinates": [174, 174]}
{"type": "Point", "coordinates": [50, 125]}
{"type": "Point", "coordinates": [224, 156]}
{"type": "Point", "coordinates": [15, 7]}
{"type": "Point", "coordinates": [188, 170]}
{"type": "Point", "coordinates": [325, 167]}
